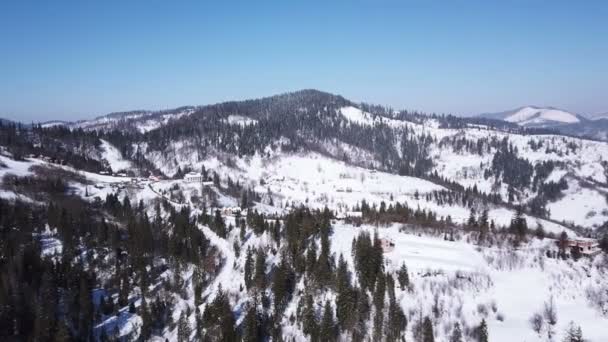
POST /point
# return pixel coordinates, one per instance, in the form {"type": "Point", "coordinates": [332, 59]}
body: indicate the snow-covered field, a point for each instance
{"type": "Point", "coordinates": [506, 288]}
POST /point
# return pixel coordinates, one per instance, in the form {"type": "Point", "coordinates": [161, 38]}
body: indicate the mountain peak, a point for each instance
{"type": "Point", "coordinates": [536, 116]}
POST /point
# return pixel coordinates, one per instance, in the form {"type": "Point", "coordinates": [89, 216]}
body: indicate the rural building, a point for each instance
{"type": "Point", "coordinates": [387, 245]}
{"type": "Point", "coordinates": [193, 177]}
{"type": "Point", "coordinates": [586, 247]}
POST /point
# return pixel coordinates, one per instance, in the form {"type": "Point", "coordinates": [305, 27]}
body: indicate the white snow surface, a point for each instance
{"type": "Point", "coordinates": [533, 115]}
{"type": "Point", "coordinates": [240, 120]}
{"type": "Point", "coordinates": [511, 284]}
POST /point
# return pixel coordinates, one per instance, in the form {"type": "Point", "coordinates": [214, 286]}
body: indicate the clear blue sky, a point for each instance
{"type": "Point", "coordinates": [78, 59]}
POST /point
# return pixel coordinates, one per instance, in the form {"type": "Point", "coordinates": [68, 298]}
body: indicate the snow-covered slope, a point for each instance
{"type": "Point", "coordinates": [143, 121]}
{"type": "Point", "coordinates": [113, 157]}
{"type": "Point", "coordinates": [469, 283]}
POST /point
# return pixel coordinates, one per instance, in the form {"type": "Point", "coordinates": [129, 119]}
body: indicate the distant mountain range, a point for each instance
{"type": "Point", "coordinates": [598, 116]}
{"type": "Point", "coordinates": [593, 126]}
{"type": "Point", "coordinates": [532, 116]}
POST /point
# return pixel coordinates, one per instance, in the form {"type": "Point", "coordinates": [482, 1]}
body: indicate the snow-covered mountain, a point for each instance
{"type": "Point", "coordinates": [597, 116]}
{"type": "Point", "coordinates": [310, 217]}
{"type": "Point", "coordinates": [532, 116]}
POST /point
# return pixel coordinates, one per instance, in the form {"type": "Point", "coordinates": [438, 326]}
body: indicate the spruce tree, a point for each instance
{"type": "Point", "coordinates": [249, 268]}
{"type": "Point", "coordinates": [403, 277]}
{"type": "Point", "coordinates": [574, 333]}
{"type": "Point", "coordinates": [309, 319]}
{"type": "Point", "coordinates": [427, 330]}
{"type": "Point", "coordinates": [327, 328]}
{"type": "Point", "coordinates": [456, 333]}
{"type": "Point", "coordinates": [183, 328]}
{"type": "Point", "coordinates": [260, 269]}
{"type": "Point", "coordinates": [483, 331]}
{"type": "Point", "coordinates": [252, 332]}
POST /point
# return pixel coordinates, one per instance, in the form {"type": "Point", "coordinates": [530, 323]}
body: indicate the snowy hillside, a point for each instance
{"type": "Point", "coordinates": [113, 157]}
{"type": "Point", "coordinates": [143, 121]}
{"type": "Point", "coordinates": [598, 116]}
{"type": "Point", "coordinates": [457, 281]}
{"type": "Point", "coordinates": [576, 160]}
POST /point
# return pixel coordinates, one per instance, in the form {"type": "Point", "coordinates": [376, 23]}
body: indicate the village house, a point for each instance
{"type": "Point", "coordinates": [387, 245]}
{"type": "Point", "coordinates": [586, 247]}
{"type": "Point", "coordinates": [193, 177]}
{"type": "Point", "coordinates": [230, 210]}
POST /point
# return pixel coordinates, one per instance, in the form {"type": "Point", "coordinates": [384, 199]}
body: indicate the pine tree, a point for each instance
{"type": "Point", "coordinates": [483, 331]}
{"type": "Point", "coordinates": [456, 333]}
{"type": "Point", "coordinates": [472, 222]}
{"type": "Point", "coordinates": [396, 321]}
{"type": "Point", "coordinates": [249, 268]}
{"type": "Point", "coordinates": [252, 331]}
{"type": "Point", "coordinates": [327, 328]}
{"type": "Point", "coordinates": [427, 330]}
{"type": "Point", "coordinates": [574, 333]}
{"type": "Point", "coordinates": [519, 225]}
{"type": "Point", "coordinates": [146, 324]}
{"type": "Point", "coordinates": [260, 269]}
{"type": "Point", "coordinates": [403, 277]}
{"type": "Point", "coordinates": [85, 307]}
{"type": "Point", "coordinates": [279, 286]}
{"type": "Point", "coordinates": [309, 319]}
{"type": "Point", "coordinates": [183, 328]}
{"type": "Point", "coordinates": [345, 301]}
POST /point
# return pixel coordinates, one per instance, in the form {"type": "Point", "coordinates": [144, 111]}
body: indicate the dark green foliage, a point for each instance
{"type": "Point", "coordinates": [403, 277]}
{"type": "Point", "coordinates": [252, 329]}
{"type": "Point", "coordinates": [218, 320]}
{"type": "Point", "coordinates": [249, 267]}
{"type": "Point", "coordinates": [519, 226]}
{"type": "Point", "coordinates": [327, 329]}
{"type": "Point", "coordinates": [259, 277]}
{"type": "Point", "coordinates": [283, 283]}
{"type": "Point", "coordinates": [514, 171]}
{"type": "Point", "coordinates": [397, 322]}
{"type": "Point", "coordinates": [368, 259]}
